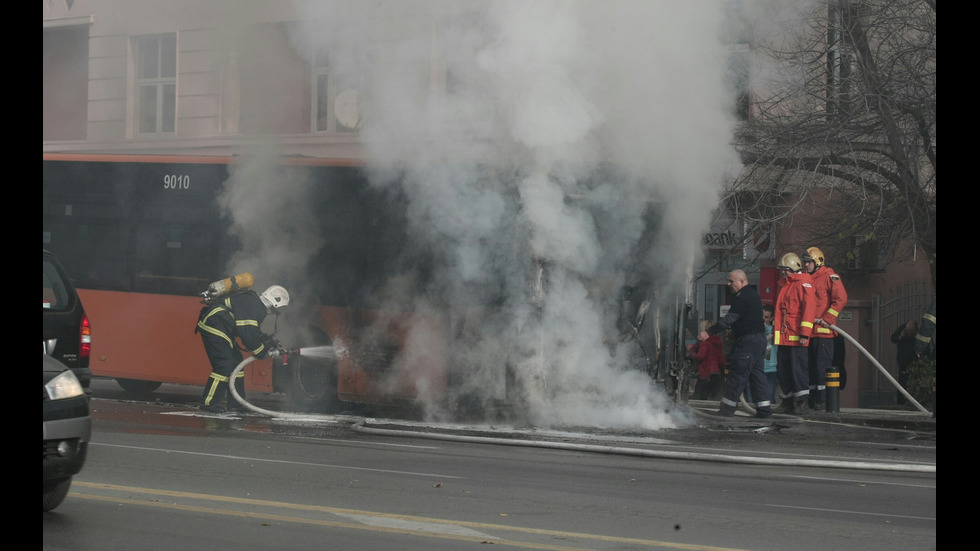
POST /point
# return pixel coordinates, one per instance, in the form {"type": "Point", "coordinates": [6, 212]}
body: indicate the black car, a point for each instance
{"type": "Point", "coordinates": [67, 331]}
{"type": "Point", "coordinates": [67, 429]}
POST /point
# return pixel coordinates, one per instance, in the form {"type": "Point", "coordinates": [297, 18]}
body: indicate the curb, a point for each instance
{"type": "Point", "coordinates": [873, 418]}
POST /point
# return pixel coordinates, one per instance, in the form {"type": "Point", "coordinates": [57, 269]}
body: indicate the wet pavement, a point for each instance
{"type": "Point", "coordinates": [888, 418]}
{"type": "Point", "coordinates": [896, 418]}
{"type": "Point", "coordinates": [852, 438]}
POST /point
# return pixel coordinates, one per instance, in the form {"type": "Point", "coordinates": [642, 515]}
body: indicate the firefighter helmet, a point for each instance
{"type": "Point", "coordinates": [275, 298]}
{"type": "Point", "coordinates": [814, 254]}
{"type": "Point", "coordinates": [791, 262]}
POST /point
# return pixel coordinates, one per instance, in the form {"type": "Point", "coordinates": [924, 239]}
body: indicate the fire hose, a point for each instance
{"type": "Point", "coordinates": [240, 400]}
{"type": "Point", "coordinates": [880, 368]}
{"type": "Point", "coordinates": [329, 350]}
{"type": "Point", "coordinates": [887, 375]}
{"type": "Point", "coordinates": [360, 427]}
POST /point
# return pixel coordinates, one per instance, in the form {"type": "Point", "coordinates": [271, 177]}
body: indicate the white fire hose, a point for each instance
{"type": "Point", "coordinates": [887, 375]}
{"type": "Point", "coordinates": [359, 426]}
{"type": "Point", "coordinates": [253, 407]}
{"type": "Point", "coordinates": [238, 398]}
{"type": "Point", "coordinates": [880, 368]}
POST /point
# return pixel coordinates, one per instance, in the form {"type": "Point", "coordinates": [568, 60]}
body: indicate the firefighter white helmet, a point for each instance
{"type": "Point", "coordinates": [275, 298]}
{"type": "Point", "coordinates": [791, 262]}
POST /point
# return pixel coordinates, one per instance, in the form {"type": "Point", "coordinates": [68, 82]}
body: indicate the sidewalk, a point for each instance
{"type": "Point", "coordinates": [899, 419]}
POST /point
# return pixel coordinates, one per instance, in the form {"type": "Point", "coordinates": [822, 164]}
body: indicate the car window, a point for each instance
{"type": "Point", "coordinates": [54, 291]}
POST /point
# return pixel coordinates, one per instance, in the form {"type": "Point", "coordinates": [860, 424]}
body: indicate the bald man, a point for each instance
{"type": "Point", "coordinates": [748, 354]}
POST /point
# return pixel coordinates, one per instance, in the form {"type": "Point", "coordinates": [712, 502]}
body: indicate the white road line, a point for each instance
{"type": "Point", "coordinates": [845, 511]}
{"type": "Point", "coordinates": [331, 466]}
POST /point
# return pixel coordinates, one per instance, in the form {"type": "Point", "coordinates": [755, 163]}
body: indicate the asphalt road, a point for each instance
{"type": "Point", "coordinates": [785, 439]}
{"type": "Point", "coordinates": [162, 475]}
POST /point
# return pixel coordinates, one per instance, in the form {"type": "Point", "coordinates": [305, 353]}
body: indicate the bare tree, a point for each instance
{"type": "Point", "coordinates": [843, 124]}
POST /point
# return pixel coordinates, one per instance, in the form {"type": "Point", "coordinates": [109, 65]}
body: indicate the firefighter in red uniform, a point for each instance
{"type": "Point", "coordinates": [792, 327]}
{"type": "Point", "coordinates": [830, 297]}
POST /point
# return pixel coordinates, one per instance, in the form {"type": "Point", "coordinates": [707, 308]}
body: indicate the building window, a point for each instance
{"type": "Point", "coordinates": [738, 80]}
{"type": "Point", "coordinates": [156, 84]}
{"type": "Point", "coordinates": [339, 95]}
{"type": "Point", "coordinates": [845, 81]}
{"type": "Point", "coordinates": [736, 35]}
{"type": "Point", "coordinates": [321, 91]}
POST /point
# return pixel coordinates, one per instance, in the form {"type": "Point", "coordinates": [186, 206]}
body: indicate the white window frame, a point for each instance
{"type": "Point", "coordinates": [164, 106]}
{"type": "Point", "coordinates": [337, 81]}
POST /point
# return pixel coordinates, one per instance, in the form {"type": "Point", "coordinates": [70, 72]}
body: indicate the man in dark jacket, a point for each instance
{"type": "Point", "coordinates": [748, 353]}
{"type": "Point", "coordinates": [237, 316]}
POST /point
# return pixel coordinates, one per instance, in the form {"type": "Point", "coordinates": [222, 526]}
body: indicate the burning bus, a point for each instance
{"type": "Point", "coordinates": [515, 294]}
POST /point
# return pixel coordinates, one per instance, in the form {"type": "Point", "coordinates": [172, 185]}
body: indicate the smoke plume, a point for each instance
{"type": "Point", "coordinates": [531, 141]}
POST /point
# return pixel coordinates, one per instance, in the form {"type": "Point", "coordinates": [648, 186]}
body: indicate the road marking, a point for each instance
{"type": "Point", "coordinates": [363, 442]}
{"type": "Point", "coordinates": [850, 481]}
{"type": "Point", "coordinates": [328, 465]}
{"type": "Point", "coordinates": [845, 511]}
{"type": "Point", "coordinates": [374, 521]}
{"type": "Point", "coordinates": [896, 446]}
{"type": "Point", "coordinates": [413, 525]}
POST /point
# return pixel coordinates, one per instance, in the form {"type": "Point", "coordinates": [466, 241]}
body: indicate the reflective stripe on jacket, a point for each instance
{"type": "Point", "coordinates": [927, 331]}
{"type": "Point", "coordinates": [238, 316]}
{"type": "Point", "coordinates": [830, 298]}
{"type": "Point", "coordinates": [794, 311]}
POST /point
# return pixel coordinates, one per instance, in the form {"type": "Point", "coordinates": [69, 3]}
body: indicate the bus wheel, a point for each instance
{"type": "Point", "coordinates": [136, 386]}
{"type": "Point", "coordinates": [311, 384]}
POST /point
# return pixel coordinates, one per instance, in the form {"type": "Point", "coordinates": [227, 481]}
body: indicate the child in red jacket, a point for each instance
{"type": "Point", "coordinates": [709, 357]}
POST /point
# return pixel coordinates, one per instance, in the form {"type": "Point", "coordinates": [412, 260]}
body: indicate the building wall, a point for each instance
{"type": "Point", "coordinates": [108, 104]}
{"type": "Point", "coordinates": [219, 44]}
{"type": "Point", "coordinates": [64, 88]}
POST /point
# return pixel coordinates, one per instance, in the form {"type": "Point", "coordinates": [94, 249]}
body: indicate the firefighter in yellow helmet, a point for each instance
{"type": "Point", "coordinates": [791, 331]}
{"type": "Point", "coordinates": [830, 297]}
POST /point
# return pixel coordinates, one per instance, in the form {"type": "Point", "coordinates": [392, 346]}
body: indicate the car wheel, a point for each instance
{"type": "Point", "coordinates": [55, 492]}
{"type": "Point", "coordinates": [136, 386]}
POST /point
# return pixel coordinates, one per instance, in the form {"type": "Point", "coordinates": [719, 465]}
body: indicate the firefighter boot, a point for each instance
{"type": "Point", "coordinates": [212, 408]}
{"type": "Point", "coordinates": [785, 407]}
{"type": "Point", "coordinates": [724, 410]}
{"type": "Point", "coordinates": [817, 400]}
{"type": "Point", "coordinates": [801, 407]}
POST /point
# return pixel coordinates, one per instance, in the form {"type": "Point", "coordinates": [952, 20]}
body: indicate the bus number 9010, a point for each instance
{"type": "Point", "coordinates": [174, 181]}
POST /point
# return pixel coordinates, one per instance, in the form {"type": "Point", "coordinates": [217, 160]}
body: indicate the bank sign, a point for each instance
{"type": "Point", "coordinates": [755, 240]}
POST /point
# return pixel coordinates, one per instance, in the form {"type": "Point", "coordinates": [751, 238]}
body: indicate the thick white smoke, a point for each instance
{"type": "Point", "coordinates": [529, 139]}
